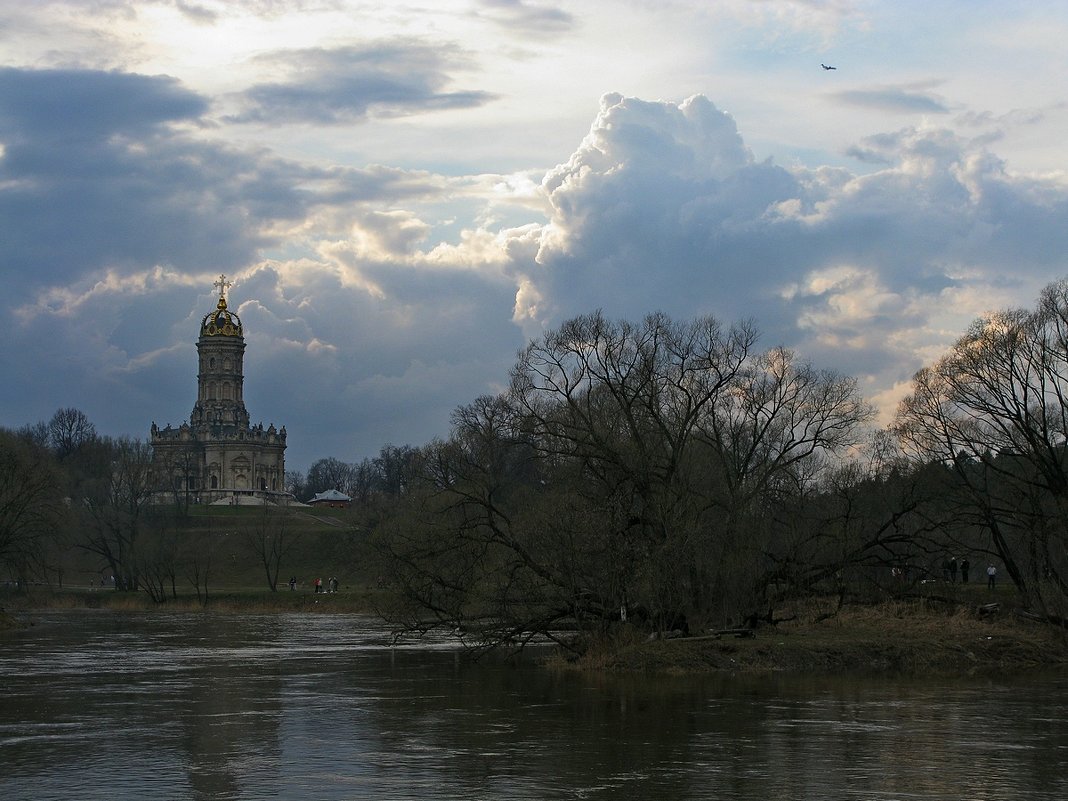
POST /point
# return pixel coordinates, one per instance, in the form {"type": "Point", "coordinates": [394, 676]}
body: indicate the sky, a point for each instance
{"type": "Point", "coordinates": [405, 193]}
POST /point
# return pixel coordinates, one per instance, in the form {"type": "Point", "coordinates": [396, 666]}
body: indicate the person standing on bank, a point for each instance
{"type": "Point", "coordinates": [991, 577]}
{"type": "Point", "coordinates": [965, 566]}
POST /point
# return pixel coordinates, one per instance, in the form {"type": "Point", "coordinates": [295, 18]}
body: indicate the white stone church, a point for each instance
{"type": "Point", "coordinates": [217, 457]}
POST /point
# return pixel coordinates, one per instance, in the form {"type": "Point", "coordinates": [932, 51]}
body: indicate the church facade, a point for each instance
{"type": "Point", "coordinates": [218, 457]}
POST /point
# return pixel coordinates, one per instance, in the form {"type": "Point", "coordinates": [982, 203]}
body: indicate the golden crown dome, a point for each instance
{"type": "Point", "coordinates": [221, 322]}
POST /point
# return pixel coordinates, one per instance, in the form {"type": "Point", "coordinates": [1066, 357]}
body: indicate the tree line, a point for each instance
{"type": "Point", "coordinates": [64, 487]}
{"type": "Point", "coordinates": [672, 474]}
{"type": "Point", "coordinates": [676, 476]}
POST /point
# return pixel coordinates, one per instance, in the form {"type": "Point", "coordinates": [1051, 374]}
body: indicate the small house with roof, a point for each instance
{"type": "Point", "coordinates": [332, 499]}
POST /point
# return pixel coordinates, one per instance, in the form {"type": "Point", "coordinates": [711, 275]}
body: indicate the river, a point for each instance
{"type": "Point", "coordinates": [103, 705]}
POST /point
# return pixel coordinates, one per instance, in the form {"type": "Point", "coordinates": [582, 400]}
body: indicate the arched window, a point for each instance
{"type": "Point", "coordinates": [211, 363]}
{"type": "Point", "coordinates": [214, 482]}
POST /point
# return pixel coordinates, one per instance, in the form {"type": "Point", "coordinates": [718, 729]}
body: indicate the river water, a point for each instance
{"type": "Point", "coordinates": [101, 705]}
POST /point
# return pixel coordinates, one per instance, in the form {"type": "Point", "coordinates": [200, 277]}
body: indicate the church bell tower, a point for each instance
{"type": "Point", "coordinates": [220, 405]}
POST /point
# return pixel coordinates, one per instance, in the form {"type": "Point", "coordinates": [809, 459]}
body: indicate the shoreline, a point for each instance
{"type": "Point", "coordinates": [917, 636]}
{"type": "Point", "coordinates": [894, 637]}
{"type": "Point", "coordinates": [230, 601]}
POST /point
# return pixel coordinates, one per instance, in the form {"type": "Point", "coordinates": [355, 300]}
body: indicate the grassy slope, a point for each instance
{"type": "Point", "coordinates": [324, 543]}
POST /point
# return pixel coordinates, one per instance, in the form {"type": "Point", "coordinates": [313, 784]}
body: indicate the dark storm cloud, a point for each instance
{"type": "Point", "coordinates": [362, 371]}
{"type": "Point", "coordinates": [343, 85]}
{"type": "Point", "coordinates": [94, 175]}
{"type": "Point", "coordinates": [89, 105]}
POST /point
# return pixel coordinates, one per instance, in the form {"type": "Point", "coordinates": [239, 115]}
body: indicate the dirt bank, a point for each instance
{"type": "Point", "coordinates": [8, 621]}
{"type": "Point", "coordinates": [894, 637]}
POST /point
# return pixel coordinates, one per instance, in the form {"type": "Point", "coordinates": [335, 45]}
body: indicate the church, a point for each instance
{"type": "Point", "coordinates": [217, 457]}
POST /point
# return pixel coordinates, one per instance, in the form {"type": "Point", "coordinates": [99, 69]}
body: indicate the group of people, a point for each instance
{"type": "Point", "coordinates": [950, 567]}
{"type": "Point", "coordinates": [331, 584]}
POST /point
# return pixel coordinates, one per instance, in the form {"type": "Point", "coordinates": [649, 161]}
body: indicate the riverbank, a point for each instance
{"type": "Point", "coordinates": [8, 621]}
{"type": "Point", "coordinates": [914, 637]}
{"type": "Point", "coordinates": [20, 607]}
{"type": "Point", "coordinates": [918, 636]}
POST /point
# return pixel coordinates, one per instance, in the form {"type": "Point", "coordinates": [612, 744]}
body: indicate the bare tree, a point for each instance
{"type": "Point", "coordinates": [31, 502]}
{"type": "Point", "coordinates": [198, 558]}
{"type": "Point", "coordinates": [627, 401]}
{"type": "Point", "coordinates": [767, 441]}
{"type": "Point", "coordinates": [328, 474]}
{"type": "Point", "coordinates": [68, 430]}
{"type": "Point", "coordinates": [157, 556]}
{"type": "Point", "coordinates": [394, 468]}
{"type": "Point", "coordinates": [295, 484]}
{"type": "Point", "coordinates": [627, 474]}
{"type": "Point", "coordinates": [37, 433]}
{"type": "Point", "coordinates": [175, 473]}
{"type": "Point", "coordinates": [268, 537]}
{"type": "Point", "coordinates": [113, 496]}
{"type": "Point", "coordinates": [470, 548]}
{"type": "Point", "coordinates": [993, 411]}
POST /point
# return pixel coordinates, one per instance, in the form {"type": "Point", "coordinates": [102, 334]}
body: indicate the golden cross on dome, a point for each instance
{"type": "Point", "coordinates": [222, 285]}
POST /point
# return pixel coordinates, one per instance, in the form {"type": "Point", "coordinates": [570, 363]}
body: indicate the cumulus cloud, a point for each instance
{"type": "Point", "coordinates": [662, 207]}
{"type": "Point", "coordinates": [653, 206]}
{"type": "Point", "coordinates": [346, 84]}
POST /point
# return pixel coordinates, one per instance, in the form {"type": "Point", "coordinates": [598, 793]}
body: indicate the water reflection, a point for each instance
{"type": "Point", "coordinates": [100, 705]}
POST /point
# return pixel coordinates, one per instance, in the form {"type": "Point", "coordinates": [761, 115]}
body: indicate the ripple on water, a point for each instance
{"type": "Point", "coordinates": [328, 707]}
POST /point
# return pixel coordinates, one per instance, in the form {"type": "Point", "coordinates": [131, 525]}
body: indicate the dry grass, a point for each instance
{"type": "Point", "coordinates": [8, 622]}
{"type": "Point", "coordinates": [908, 637]}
